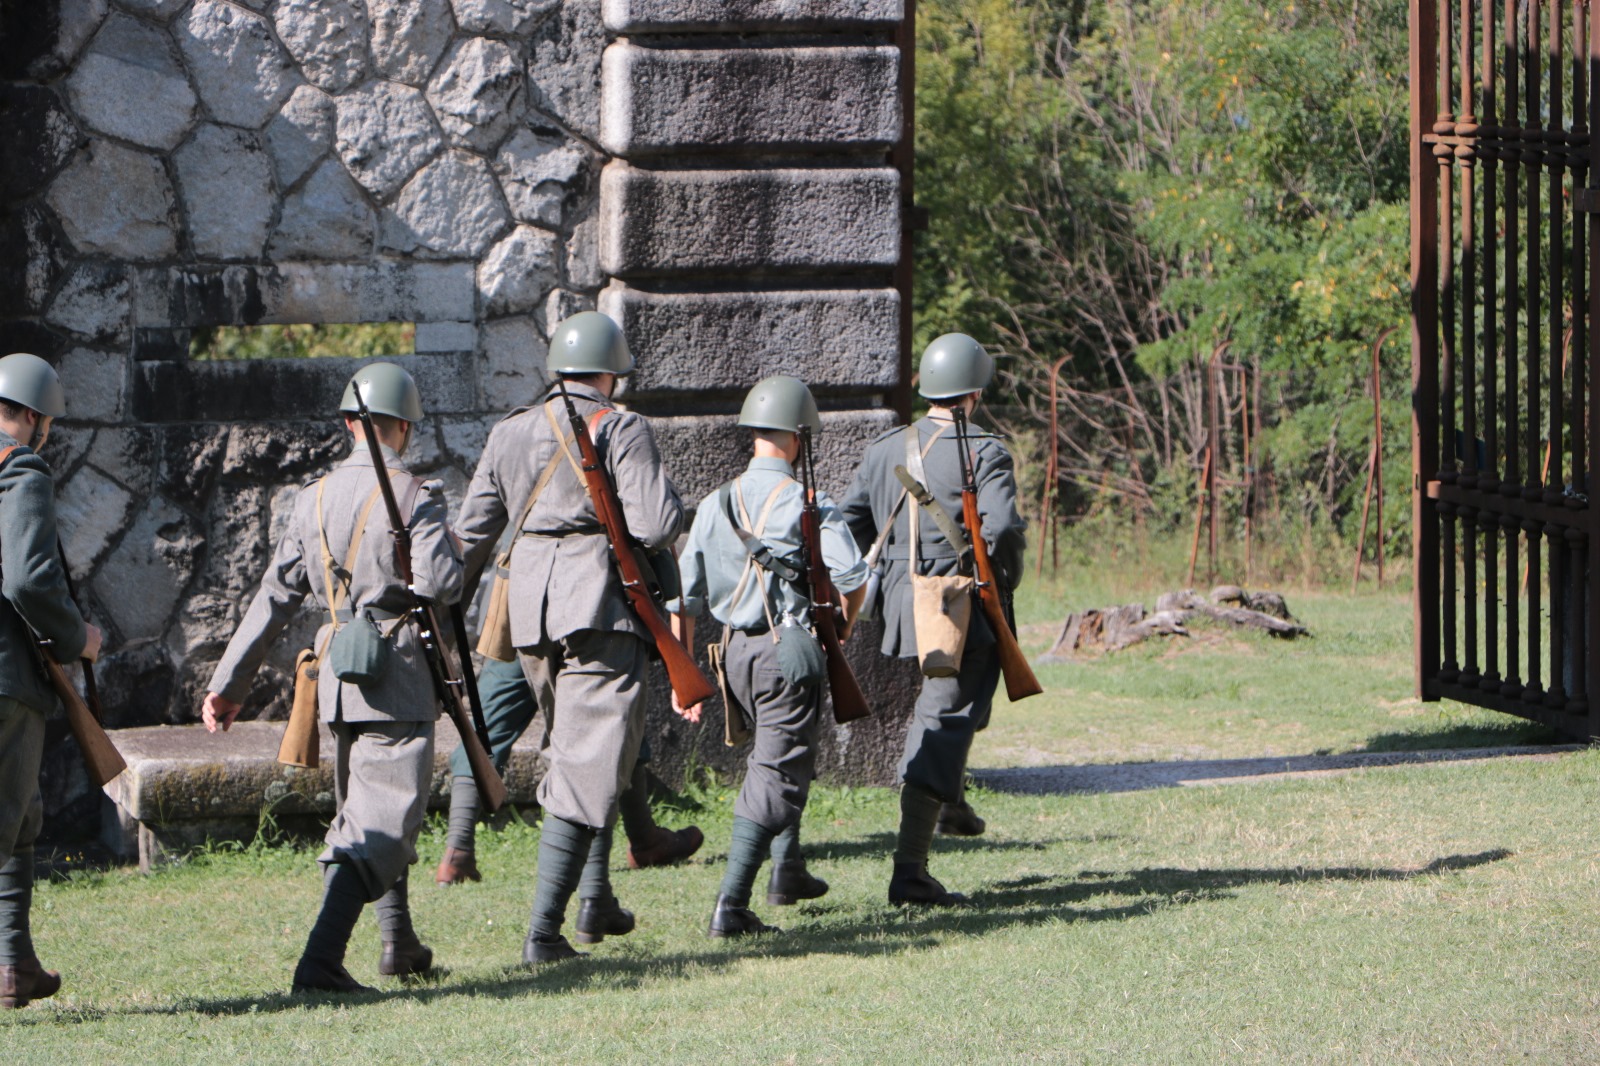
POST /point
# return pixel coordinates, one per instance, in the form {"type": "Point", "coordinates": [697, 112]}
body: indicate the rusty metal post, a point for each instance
{"type": "Point", "coordinates": [1051, 476]}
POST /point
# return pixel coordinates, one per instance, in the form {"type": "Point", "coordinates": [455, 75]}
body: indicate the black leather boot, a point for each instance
{"type": "Point", "coordinates": [536, 952]}
{"type": "Point", "coordinates": [791, 882]}
{"type": "Point", "coordinates": [913, 885]}
{"type": "Point", "coordinates": [960, 820]}
{"type": "Point", "coordinates": [323, 975]}
{"type": "Point", "coordinates": [728, 920]}
{"type": "Point", "coordinates": [412, 959]}
{"type": "Point", "coordinates": [598, 919]}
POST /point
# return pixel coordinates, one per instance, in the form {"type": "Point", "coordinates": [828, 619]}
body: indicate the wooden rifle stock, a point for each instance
{"type": "Point", "coordinates": [448, 686]}
{"type": "Point", "coordinates": [849, 702]}
{"type": "Point", "coordinates": [689, 683]}
{"type": "Point", "coordinates": [1020, 680]}
{"type": "Point", "coordinates": [100, 756]}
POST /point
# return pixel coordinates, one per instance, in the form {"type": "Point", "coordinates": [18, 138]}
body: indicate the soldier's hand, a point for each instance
{"type": "Point", "coordinates": [689, 714]}
{"type": "Point", "coordinates": [219, 711]}
{"type": "Point", "coordinates": [91, 646]}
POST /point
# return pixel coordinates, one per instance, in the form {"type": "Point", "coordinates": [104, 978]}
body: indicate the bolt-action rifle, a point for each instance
{"type": "Point", "coordinates": [1020, 680]}
{"type": "Point", "coordinates": [100, 756]}
{"type": "Point", "coordinates": [688, 682]}
{"type": "Point", "coordinates": [451, 687]}
{"type": "Point", "coordinates": [849, 702]}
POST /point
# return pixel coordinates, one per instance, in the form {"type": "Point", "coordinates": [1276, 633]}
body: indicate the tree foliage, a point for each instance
{"type": "Point", "coordinates": [1131, 187]}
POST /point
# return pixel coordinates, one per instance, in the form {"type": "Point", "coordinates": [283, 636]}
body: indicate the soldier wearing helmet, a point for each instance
{"type": "Point", "coordinates": [949, 710]}
{"type": "Point", "coordinates": [374, 689]}
{"type": "Point", "coordinates": [34, 603]}
{"type": "Point", "coordinates": [743, 561]}
{"type": "Point", "coordinates": [580, 646]}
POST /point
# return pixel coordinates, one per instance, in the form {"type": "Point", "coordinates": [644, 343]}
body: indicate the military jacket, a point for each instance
{"type": "Point", "coordinates": [563, 578]}
{"type": "Point", "coordinates": [714, 559]}
{"type": "Point", "coordinates": [33, 585]}
{"type": "Point", "coordinates": [872, 497]}
{"type": "Point", "coordinates": [405, 693]}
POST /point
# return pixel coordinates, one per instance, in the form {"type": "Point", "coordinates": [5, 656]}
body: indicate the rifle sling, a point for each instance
{"type": "Point", "coordinates": [879, 544]}
{"type": "Point", "coordinates": [948, 526]}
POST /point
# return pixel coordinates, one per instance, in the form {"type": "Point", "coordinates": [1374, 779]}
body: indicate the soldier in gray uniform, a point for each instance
{"type": "Point", "coordinates": [33, 600]}
{"type": "Point", "coordinates": [949, 710]}
{"type": "Point", "coordinates": [584, 652]}
{"type": "Point", "coordinates": [338, 550]}
{"type": "Point", "coordinates": [744, 560]}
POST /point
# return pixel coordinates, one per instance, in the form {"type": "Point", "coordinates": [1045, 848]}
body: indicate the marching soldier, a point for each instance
{"type": "Point", "coordinates": [744, 560]}
{"type": "Point", "coordinates": [374, 687]}
{"type": "Point", "coordinates": [34, 599]}
{"type": "Point", "coordinates": [582, 649]}
{"type": "Point", "coordinates": [949, 710]}
{"type": "Point", "coordinates": [508, 710]}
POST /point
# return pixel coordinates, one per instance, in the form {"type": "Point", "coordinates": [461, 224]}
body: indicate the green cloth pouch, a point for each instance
{"type": "Point", "coordinates": [359, 652]}
{"type": "Point", "coordinates": [800, 656]}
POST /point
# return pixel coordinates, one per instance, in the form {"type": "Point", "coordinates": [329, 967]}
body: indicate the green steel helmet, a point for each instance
{"type": "Point", "coordinates": [954, 365]}
{"type": "Point", "coordinates": [589, 343]}
{"type": "Point", "coordinates": [32, 382]}
{"type": "Point", "coordinates": [780, 402]}
{"type": "Point", "coordinates": [387, 390]}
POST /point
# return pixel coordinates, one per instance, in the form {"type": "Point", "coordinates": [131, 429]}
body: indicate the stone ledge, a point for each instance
{"type": "Point", "coordinates": [272, 390]}
{"type": "Point", "coordinates": [659, 100]}
{"type": "Point", "coordinates": [657, 222]}
{"type": "Point", "coordinates": [184, 786]}
{"type": "Point", "coordinates": [721, 341]}
{"type": "Point", "coordinates": [682, 16]}
{"type": "Point", "coordinates": [182, 297]}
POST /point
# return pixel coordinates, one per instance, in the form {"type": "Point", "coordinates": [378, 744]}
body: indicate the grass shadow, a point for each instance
{"type": "Point", "coordinates": [1089, 896]}
{"type": "Point", "coordinates": [1510, 734]}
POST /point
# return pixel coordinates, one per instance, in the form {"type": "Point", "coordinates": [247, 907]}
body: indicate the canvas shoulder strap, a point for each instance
{"type": "Point", "coordinates": [337, 593]}
{"type": "Point", "coordinates": [876, 551]}
{"type": "Point", "coordinates": [566, 442]}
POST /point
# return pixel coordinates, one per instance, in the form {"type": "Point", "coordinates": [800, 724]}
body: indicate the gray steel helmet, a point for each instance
{"type": "Point", "coordinates": [387, 390]}
{"type": "Point", "coordinates": [32, 382]}
{"type": "Point", "coordinates": [780, 402]}
{"type": "Point", "coordinates": [589, 343]}
{"type": "Point", "coordinates": [954, 365]}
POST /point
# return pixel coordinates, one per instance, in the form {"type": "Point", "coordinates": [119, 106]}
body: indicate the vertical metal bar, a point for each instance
{"type": "Point", "coordinates": [1444, 155]}
{"type": "Point", "coordinates": [1575, 577]}
{"type": "Point", "coordinates": [1213, 515]}
{"type": "Point", "coordinates": [1489, 469]}
{"type": "Point", "coordinates": [1533, 352]}
{"type": "Point", "coordinates": [1507, 608]}
{"type": "Point", "coordinates": [1424, 345]}
{"type": "Point", "coordinates": [1589, 607]}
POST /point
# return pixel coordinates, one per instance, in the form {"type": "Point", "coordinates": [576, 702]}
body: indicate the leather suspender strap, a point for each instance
{"type": "Point", "coordinates": [337, 594]}
{"type": "Point", "coordinates": [878, 545]}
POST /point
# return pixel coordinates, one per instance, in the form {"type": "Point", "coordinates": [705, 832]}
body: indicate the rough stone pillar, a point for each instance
{"type": "Point", "coordinates": [750, 224]}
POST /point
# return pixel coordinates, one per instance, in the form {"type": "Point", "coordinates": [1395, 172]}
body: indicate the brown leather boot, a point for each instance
{"type": "Point", "coordinates": [456, 867]}
{"type": "Point", "coordinates": [666, 846]}
{"type": "Point", "coordinates": [25, 982]}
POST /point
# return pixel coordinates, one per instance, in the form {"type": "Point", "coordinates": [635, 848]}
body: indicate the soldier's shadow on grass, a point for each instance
{"type": "Point", "coordinates": [881, 846]}
{"type": "Point", "coordinates": [1089, 896]}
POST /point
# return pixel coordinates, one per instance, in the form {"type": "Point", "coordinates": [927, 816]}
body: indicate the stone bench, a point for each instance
{"type": "Point", "coordinates": [185, 787]}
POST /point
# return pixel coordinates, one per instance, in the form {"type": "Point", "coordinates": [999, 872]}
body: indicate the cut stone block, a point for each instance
{"type": "Point", "coordinates": [243, 73]}
{"type": "Point", "coordinates": [408, 37]}
{"type": "Point", "coordinates": [328, 38]}
{"type": "Point", "coordinates": [564, 67]}
{"type": "Point", "coordinates": [185, 787]}
{"type": "Point", "coordinates": [388, 291]}
{"type": "Point", "coordinates": [93, 301]}
{"type": "Point", "coordinates": [129, 85]}
{"type": "Point", "coordinates": [386, 132]}
{"type": "Point", "coordinates": [539, 173]}
{"type": "Point", "coordinates": [684, 16]}
{"type": "Point", "coordinates": [519, 272]}
{"type": "Point", "coordinates": [659, 222]}
{"type": "Point", "coordinates": [116, 202]}
{"type": "Point", "coordinates": [723, 341]}
{"type": "Point", "coordinates": [659, 100]}
{"type": "Point", "coordinates": [514, 357]}
{"type": "Point", "coordinates": [446, 337]}
{"type": "Point", "coordinates": [452, 209]}
{"type": "Point", "coordinates": [326, 218]}
{"type": "Point", "coordinates": [227, 192]}
{"type": "Point", "coordinates": [99, 384]}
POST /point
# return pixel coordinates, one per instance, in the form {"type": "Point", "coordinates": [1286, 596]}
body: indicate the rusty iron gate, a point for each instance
{"type": "Point", "coordinates": [1503, 356]}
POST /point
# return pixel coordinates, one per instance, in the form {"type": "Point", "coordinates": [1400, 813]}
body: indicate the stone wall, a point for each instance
{"type": "Point", "coordinates": [713, 174]}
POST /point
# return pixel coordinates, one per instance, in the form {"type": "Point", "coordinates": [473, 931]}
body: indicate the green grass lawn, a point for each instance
{"type": "Point", "coordinates": [1421, 914]}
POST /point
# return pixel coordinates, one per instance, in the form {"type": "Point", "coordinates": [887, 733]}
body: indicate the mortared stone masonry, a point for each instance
{"type": "Point", "coordinates": [715, 174]}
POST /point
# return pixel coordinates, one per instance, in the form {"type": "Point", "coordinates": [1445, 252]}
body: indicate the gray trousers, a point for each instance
{"type": "Point", "coordinates": [948, 712]}
{"type": "Point", "coordinates": [787, 718]}
{"type": "Point", "coordinates": [382, 775]}
{"type": "Point", "coordinates": [590, 686]}
{"type": "Point", "coordinates": [21, 752]}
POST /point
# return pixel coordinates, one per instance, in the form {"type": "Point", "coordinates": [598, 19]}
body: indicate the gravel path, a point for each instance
{"type": "Point", "coordinates": [1137, 777]}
